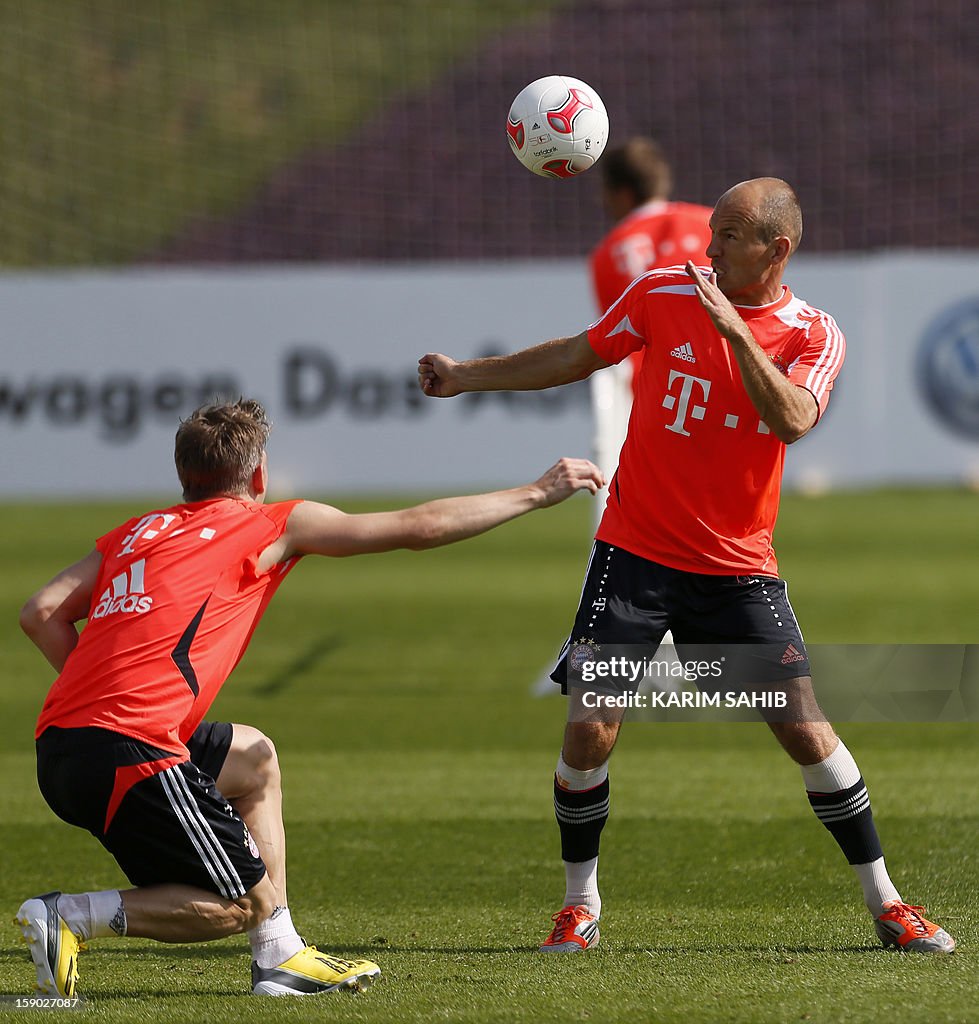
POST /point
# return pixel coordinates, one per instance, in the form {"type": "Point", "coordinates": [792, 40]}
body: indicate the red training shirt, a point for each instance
{"type": "Point", "coordinates": [177, 599]}
{"type": "Point", "coordinates": [699, 475]}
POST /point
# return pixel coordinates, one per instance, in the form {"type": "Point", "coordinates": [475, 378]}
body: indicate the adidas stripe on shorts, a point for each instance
{"type": "Point", "coordinates": [172, 827]}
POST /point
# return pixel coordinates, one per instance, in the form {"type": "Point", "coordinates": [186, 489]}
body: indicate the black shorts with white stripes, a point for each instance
{"type": "Point", "coordinates": [629, 602]}
{"type": "Point", "coordinates": [169, 826]}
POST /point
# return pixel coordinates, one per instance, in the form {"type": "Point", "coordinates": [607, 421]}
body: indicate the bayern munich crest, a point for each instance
{"type": "Point", "coordinates": [580, 652]}
{"type": "Point", "coordinates": [948, 368]}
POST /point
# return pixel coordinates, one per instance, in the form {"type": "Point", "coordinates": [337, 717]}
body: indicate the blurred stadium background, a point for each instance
{"type": "Point", "coordinates": [235, 131]}
{"type": "Point", "coordinates": [168, 165]}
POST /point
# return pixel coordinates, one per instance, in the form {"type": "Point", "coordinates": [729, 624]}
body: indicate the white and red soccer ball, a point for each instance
{"type": "Point", "coordinates": [557, 126]}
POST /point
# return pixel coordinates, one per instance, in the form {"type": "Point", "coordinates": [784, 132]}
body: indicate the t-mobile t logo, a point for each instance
{"type": "Point", "coordinates": [686, 390]}
{"type": "Point", "coordinates": [142, 529]}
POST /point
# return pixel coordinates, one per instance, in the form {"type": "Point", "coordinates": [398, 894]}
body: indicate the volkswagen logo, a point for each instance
{"type": "Point", "coordinates": [948, 367]}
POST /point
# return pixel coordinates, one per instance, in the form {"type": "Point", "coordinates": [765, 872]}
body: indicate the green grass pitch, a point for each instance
{"type": "Point", "coordinates": [417, 773]}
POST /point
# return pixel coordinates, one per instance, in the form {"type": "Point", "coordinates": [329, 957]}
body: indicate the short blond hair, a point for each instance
{"type": "Point", "coordinates": [219, 446]}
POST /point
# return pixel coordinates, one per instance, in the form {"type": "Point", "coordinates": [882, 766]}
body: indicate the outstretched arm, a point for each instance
{"type": "Point", "coordinates": [49, 617]}
{"type": "Point", "coordinates": [315, 529]}
{"type": "Point", "coordinates": [789, 411]}
{"type": "Point", "coordinates": [560, 361]}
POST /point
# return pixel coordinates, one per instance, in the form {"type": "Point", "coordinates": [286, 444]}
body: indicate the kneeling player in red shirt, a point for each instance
{"type": "Point", "coordinates": [191, 810]}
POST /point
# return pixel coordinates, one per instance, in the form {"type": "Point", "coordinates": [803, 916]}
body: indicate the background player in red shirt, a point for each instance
{"type": "Point", "coordinates": [735, 369]}
{"type": "Point", "coordinates": [649, 231]}
{"type": "Point", "coordinates": [191, 810]}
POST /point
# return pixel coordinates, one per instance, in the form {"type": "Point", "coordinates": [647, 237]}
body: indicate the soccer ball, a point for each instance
{"type": "Point", "coordinates": [557, 126]}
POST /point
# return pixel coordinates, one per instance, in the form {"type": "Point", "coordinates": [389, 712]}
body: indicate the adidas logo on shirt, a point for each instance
{"type": "Point", "coordinates": [127, 594]}
{"type": "Point", "coordinates": [684, 352]}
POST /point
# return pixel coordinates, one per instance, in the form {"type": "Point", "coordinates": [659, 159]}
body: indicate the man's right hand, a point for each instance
{"type": "Point", "coordinates": [438, 376]}
{"type": "Point", "coordinates": [556, 362]}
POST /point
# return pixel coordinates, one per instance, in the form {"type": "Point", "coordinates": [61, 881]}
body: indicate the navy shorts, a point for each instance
{"type": "Point", "coordinates": [628, 603]}
{"type": "Point", "coordinates": [171, 826]}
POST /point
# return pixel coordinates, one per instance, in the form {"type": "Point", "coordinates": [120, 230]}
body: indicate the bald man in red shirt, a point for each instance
{"type": "Point", "coordinates": [735, 368]}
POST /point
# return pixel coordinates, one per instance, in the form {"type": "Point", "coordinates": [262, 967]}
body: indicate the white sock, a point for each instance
{"type": "Point", "coordinates": [581, 886]}
{"type": "Point", "coordinates": [581, 879]}
{"type": "Point", "coordinates": [275, 939]}
{"type": "Point", "coordinates": [836, 772]}
{"type": "Point", "coordinates": [93, 915]}
{"type": "Point", "coordinates": [840, 771]}
{"type": "Point", "coordinates": [876, 884]}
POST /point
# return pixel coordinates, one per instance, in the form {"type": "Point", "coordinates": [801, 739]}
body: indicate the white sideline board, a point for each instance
{"type": "Point", "coordinates": [98, 367]}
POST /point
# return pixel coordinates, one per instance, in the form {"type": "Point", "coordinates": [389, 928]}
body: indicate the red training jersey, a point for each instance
{"type": "Point", "coordinates": [699, 475]}
{"type": "Point", "coordinates": [656, 234]}
{"type": "Point", "coordinates": [177, 599]}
